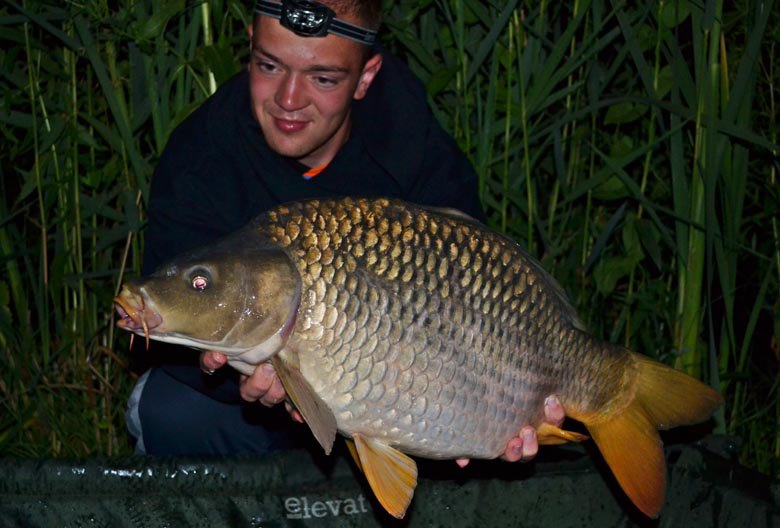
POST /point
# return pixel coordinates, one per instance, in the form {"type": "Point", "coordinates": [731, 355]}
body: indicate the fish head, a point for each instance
{"type": "Point", "coordinates": [239, 296]}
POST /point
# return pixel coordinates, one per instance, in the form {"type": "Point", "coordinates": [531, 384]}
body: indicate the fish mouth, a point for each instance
{"type": "Point", "coordinates": [135, 315]}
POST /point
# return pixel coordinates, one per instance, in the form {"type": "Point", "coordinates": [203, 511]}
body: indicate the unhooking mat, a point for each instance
{"type": "Point", "coordinates": [563, 487]}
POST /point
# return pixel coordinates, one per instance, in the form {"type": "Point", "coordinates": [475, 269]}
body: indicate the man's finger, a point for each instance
{"type": "Point", "coordinates": [211, 360]}
{"type": "Point", "coordinates": [256, 386]}
{"type": "Point", "coordinates": [294, 413]}
{"type": "Point", "coordinates": [553, 411]}
{"type": "Point", "coordinates": [522, 447]}
{"type": "Point", "coordinates": [275, 393]}
{"type": "Point", "coordinates": [514, 450]}
{"type": "Point", "coordinates": [263, 386]}
{"type": "Point", "coordinates": [530, 443]}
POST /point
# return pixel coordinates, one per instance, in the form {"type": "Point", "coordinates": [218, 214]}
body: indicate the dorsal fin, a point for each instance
{"type": "Point", "coordinates": [455, 214]}
{"type": "Point", "coordinates": [391, 474]}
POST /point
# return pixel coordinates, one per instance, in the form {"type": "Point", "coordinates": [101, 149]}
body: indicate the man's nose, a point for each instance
{"type": "Point", "coordinates": [290, 94]}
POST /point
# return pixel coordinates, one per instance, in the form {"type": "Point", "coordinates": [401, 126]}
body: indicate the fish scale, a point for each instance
{"type": "Point", "coordinates": [444, 269]}
{"type": "Point", "coordinates": [413, 330]}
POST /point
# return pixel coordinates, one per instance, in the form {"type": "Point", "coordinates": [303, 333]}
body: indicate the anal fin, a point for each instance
{"type": "Point", "coordinates": [391, 474]}
{"type": "Point", "coordinates": [548, 434]}
{"type": "Point", "coordinates": [315, 412]}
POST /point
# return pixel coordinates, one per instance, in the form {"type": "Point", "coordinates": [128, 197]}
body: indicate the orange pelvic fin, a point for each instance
{"type": "Point", "coordinates": [391, 474]}
{"type": "Point", "coordinates": [628, 437]}
{"type": "Point", "coordinates": [548, 434]}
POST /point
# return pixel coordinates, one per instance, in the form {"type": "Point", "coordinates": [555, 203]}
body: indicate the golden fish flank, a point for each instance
{"type": "Point", "coordinates": [420, 331]}
{"type": "Point", "coordinates": [415, 329]}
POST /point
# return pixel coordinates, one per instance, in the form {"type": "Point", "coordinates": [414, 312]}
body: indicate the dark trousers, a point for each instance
{"type": "Point", "coordinates": [177, 419]}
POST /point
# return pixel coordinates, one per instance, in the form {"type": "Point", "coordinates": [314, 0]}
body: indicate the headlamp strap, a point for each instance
{"type": "Point", "coordinates": [312, 19]}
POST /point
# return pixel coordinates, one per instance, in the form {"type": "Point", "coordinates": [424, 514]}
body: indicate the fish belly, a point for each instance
{"type": "Point", "coordinates": [455, 414]}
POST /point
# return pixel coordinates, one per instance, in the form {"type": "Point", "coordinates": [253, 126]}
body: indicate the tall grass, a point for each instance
{"type": "Point", "coordinates": [91, 93]}
{"type": "Point", "coordinates": [631, 147]}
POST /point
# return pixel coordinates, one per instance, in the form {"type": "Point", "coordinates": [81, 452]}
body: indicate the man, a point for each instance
{"type": "Point", "coordinates": [319, 112]}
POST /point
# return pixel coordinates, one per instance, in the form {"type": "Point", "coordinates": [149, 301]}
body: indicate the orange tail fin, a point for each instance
{"type": "Point", "coordinates": [629, 439]}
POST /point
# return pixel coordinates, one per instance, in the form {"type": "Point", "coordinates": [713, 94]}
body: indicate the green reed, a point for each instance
{"type": "Point", "coordinates": [628, 146]}
{"type": "Point", "coordinates": [92, 93]}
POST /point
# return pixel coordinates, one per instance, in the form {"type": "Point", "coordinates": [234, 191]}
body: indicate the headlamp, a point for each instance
{"type": "Point", "coordinates": [312, 19]}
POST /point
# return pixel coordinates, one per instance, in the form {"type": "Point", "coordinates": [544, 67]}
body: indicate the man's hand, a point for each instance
{"type": "Point", "coordinates": [262, 386]}
{"type": "Point", "coordinates": [265, 387]}
{"type": "Point", "coordinates": [524, 446]}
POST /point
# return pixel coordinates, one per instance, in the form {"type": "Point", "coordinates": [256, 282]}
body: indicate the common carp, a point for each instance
{"type": "Point", "coordinates": [414, 331]}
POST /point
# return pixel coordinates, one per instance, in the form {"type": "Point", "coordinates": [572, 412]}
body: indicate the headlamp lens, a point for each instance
{"type": "Point", "coordinates": [312, 19]}
{"type": "Point", "coordinates": [306, 18]}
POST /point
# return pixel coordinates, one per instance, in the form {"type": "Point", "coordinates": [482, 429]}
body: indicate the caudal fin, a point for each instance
{"type": "Point", "coordinates": [628, 439]}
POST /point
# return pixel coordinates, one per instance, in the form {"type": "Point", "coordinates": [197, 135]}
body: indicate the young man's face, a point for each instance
{"type": "Point", "coordinates": [302, 89]}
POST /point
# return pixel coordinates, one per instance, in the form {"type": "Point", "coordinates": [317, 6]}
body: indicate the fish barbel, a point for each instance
{"type": "Point", "coordinates": [419, 331]}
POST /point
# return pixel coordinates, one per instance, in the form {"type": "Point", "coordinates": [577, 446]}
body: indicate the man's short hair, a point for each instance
{"type": "Point", "coordinates": [368, 12]}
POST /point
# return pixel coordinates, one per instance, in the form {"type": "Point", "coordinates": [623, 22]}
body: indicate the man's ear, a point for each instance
{"type": "Point", "coordinates": [370, 69]}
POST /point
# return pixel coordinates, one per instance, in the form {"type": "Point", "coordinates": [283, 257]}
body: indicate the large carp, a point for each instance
{"type": "Point", "coordinates": [414, 330]}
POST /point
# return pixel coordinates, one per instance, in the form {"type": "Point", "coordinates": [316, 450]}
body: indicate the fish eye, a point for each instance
{"type": "Point", "coordinates": [200, 282]}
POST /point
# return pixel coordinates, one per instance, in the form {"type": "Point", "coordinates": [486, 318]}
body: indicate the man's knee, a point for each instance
{"type": "Point", "coordinates": [176, 419]}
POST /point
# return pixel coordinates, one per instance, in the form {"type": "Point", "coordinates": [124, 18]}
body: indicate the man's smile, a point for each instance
{"type": "Point", "coordinates": [289, 126]}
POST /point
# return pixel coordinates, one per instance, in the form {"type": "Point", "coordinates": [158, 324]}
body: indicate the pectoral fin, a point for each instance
{"type": "Point", "coordinates": [391, 474]}
{"type": "Point", "coordinates": [315, 412]}
{"type": "Point", "coordinates": [548, 434]}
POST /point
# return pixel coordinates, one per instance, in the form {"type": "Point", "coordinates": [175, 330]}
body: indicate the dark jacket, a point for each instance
{"type": "Point", "coordinates": [217, 172]}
